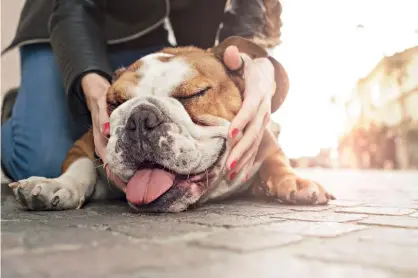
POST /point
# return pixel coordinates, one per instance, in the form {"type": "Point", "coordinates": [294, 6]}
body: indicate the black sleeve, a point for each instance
{"type": "Point", "coordinates": [78, 40]}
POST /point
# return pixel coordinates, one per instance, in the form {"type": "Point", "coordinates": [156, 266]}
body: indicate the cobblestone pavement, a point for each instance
{"type": "Point", "coordinates": [370, 231]}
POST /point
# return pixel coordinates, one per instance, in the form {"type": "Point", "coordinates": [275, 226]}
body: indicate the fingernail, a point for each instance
{"type": "Point", "coordinates": [106, 128]}
{"type": "Point", "coordinates": [232, 165]}
{"type": "Point", "coordinates": [234, 132]}
{"type": "Point", "coordinates": [232, 175]}
{"type": "Point", "coordinates": [246, 177]}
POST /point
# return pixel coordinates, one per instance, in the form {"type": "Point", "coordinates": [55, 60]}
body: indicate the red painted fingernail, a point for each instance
{"type": "Point", "coordinates": [106, 128]}
{"type": "Point", "coordinates": [232, 176]}
{"type": "Point", "coordinates": [232, 165]}
{"type": "Point", "coordinates": [234, 132]}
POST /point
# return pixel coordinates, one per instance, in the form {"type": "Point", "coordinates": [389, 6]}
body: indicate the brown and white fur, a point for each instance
{"type": "Point", "coordinates": [173, 109]}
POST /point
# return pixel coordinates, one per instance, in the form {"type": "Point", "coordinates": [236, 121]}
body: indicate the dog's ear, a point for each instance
{"type": "Point", "coordinates": [254, 50]}
{"type": "Point", "coordinates": [118, 72]}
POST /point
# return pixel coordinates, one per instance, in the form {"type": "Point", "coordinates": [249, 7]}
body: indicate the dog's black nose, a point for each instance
{"type": "Point", "coordinates": [144, 118]}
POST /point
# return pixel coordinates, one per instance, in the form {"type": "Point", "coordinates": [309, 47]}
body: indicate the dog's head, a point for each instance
{"type": "Point", "coordinates": [169, 116]}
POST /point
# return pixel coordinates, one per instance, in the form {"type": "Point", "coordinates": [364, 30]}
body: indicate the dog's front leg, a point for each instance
{"type": "Point", "coordinates": [278, 179]}
{"type": "Point", "coordinates": [68, 191]}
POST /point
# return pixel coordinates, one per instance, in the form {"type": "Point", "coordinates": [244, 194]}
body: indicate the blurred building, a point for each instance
{"type": "Point", "coordinates": [383, 116]}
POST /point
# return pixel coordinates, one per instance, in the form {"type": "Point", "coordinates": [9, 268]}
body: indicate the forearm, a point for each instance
{"type": "Point", "coordinates": [78, 41]}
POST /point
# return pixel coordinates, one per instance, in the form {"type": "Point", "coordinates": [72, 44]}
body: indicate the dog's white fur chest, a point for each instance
{"type": "Point", "coordinates": [224, 188]}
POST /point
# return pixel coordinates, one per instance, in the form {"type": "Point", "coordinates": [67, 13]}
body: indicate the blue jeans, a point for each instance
{"type": "Point", "coordinates": [36, 139]}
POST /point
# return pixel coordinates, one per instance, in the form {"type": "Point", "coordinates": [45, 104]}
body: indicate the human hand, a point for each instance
{"type": "Point", "coordinates": [254, 115]}
{"type": "Point", "coordinates": [95, 88]}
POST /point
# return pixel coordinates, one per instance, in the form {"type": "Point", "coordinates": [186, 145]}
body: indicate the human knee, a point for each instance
{"type": "Point", "coordinates": [37, 164]}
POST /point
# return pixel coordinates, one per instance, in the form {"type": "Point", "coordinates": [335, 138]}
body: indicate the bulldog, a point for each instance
{"type": "Point", "coordinates": [169, 117]}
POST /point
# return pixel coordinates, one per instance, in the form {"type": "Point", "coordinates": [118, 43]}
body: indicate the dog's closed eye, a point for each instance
{"type": "Point", "coordinates": [198, 93]}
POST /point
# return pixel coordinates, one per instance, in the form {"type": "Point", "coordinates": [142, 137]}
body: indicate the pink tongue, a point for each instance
{"type": "Point", "coordinates": [147, 185]}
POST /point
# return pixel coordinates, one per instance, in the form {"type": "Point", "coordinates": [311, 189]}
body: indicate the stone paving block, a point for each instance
{"type": "Point", "coordinates": [162, 230]}
{"type": "Point", "coordinates": [313, 229]}
{"type": "Point", "coordinates": [392, 221]}
{"type": "Point", "coordinates": [307, 208]}
{"type": "Point", "coordinates": [10, 241]}
{"type": "Point", "coordinates": [376, 210]}
{"type": "Point", "coordinates": [164, 227]}
{"type": "Point", "coordinates": [12, 273]}
{"type": "Point", "coordinates": [219, 220]}
{"type": "Point", "coordinates": [251, 211]}
{"type": "Point", "coordinates": [246, 208]}
{"type": "Point", "coordinates": [372, 254]}
{"type": "Point", "coordinates": [397, 203]}
{"type": "Point", "coordinates": [94, 213]}
{"type": "Point", "coordinates": [240, 202]}
{"type": "Point", "coordinates": [101, 262]}
{"type": "Point", "coordinates": [266, 205]}
{"type": "Point", "coordinates": [407, 237]}
{"type": "Point", "coordinates": [26, 236]}
{"type": "Point", "coordinates": [345, 203]}
{"type": "Point", "coordinates": [250, 240]}
{"type": "Point", "coordinates": [320, 216]}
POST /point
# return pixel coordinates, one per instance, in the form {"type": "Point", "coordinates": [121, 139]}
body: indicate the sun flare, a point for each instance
{"type": "Point", "coordinates": [326, 47]}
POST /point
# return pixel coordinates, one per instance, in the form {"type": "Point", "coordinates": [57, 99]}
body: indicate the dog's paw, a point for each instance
{"type": "Point", "coordinates": [296, 190]}
{"type": "Point", "coordinates": [299, 191]}
{"type": "Point", "coordinates": [38, 193]}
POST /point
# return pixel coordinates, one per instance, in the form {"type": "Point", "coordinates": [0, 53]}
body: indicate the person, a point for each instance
{"type": "Point", "coordinates": [70, 48]}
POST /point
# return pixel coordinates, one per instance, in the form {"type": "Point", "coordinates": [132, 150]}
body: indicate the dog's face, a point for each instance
{"type": "Point", "coordinates": [169, 116]}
